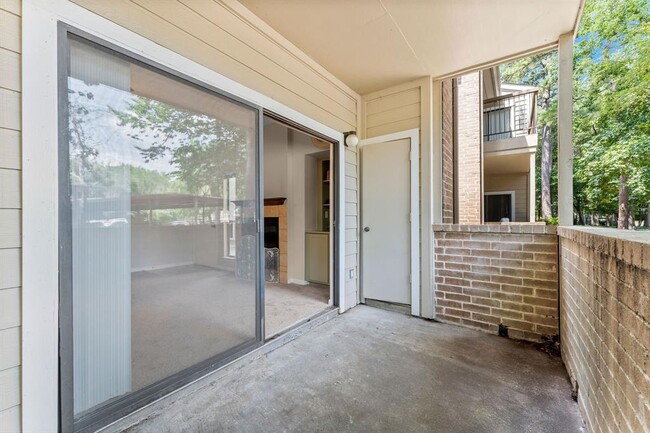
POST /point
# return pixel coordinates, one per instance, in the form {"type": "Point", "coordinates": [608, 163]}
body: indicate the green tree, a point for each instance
{"type": "Point", "coordinates": [541, 71]}
{"type": "Point", "coordinates": [200, 147]}
{"type": "Point", "coordinates": [612, 110]}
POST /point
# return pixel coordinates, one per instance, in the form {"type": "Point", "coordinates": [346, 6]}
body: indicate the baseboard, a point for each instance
{"type": "Point", "coordinates": [161, 267]}
{"type": "Point", "coordinates": [298, 282]}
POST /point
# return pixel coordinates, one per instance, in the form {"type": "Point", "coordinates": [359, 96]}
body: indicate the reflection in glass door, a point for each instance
{"type": "Point", "coordinates": [161, 203]}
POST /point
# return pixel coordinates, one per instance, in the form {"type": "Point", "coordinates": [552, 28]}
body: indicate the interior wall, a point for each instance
{"type": "Point", "coordinates": [10, 215]}
{"type": "Point", "coordinates": [302, 207]}
{"type": "Point", "coordinates": [291, 170]}
{"type": "Point", "coordinates": [157, 247]}
{"type": "Point", "coordinates": [517, 182]}
{"type": "Point", "coordinates": [276, 159]}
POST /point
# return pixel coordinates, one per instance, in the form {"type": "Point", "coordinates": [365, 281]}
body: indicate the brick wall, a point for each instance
{"type": "Point", "coordinates": [605, 325]}
{"type": "Point", "coordinates": [469, 166]}
{"type": "Point", "coordinates": [448, 152]}
{"type": "Point", "coordinates": [487, 275]}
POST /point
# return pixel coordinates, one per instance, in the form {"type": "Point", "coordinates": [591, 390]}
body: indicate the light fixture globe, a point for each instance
{"type": "Point", "coordinates": [352, 140]}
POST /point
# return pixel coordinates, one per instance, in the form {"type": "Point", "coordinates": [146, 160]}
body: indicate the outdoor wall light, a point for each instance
{"type": "Point", "coordinates": [351, 139]}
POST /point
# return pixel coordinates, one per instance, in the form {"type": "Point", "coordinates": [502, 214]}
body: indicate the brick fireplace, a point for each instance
{"type": "Point", "coordinates": [276, 208]}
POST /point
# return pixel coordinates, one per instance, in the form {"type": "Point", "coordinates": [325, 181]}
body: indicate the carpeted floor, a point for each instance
{"type": "Point", "coordinates": [286, 304]}
{"type": "Point", "coordinates": [184, 315]}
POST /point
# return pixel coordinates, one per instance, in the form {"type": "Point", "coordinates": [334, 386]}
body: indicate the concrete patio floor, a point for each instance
{"type": "Point", "coordinates": [380, 371]}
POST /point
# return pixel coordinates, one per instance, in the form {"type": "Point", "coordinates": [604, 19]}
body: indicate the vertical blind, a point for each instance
{"type": "Point", "coordinates": [101, 240]}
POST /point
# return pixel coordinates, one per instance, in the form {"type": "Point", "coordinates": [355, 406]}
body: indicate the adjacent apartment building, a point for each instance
{"type": "Point", "coordinates": [492, 127]}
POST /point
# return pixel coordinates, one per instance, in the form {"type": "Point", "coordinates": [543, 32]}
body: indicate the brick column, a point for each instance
{"type": "Point", "coordinates": [468, 157]}
{"type": "Point", "coordinates": [448, 152]}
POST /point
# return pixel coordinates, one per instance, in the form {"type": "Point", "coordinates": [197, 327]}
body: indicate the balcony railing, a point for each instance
{"type": "Point", "coordinates": [510, 116]}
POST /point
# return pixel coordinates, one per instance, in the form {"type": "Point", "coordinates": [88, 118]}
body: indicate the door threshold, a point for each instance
{"type": "Point", "coordinates": [276, 341]}
{"type": "Point", "coordinates": [398, 308]}
{"type": "Point", "coordinates": [300, 323]}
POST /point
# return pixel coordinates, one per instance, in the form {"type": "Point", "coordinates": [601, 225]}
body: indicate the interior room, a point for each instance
{"type": "Point", "coordinates": [297, 210]}
{"type": "Point", "coordinates": [165, 236]}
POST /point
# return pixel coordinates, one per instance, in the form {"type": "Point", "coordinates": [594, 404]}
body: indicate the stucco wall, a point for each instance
{"type": "Point", "coordinates": [10, 214]}
{"type": "Point", "coordinates": [605, 325]}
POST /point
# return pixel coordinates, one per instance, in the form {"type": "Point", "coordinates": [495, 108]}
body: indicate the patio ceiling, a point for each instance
{"type": "Point", "coordinates": [374, 44]}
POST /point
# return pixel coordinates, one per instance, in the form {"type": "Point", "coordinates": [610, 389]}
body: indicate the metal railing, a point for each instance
{"type": "Point", "coordinates": [510, 116]}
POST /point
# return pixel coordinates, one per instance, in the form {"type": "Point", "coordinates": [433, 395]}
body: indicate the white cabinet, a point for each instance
{"type": "Point", "coordinates": [317, 257]}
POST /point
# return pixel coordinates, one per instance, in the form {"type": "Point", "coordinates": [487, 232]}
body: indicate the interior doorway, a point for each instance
{"type": "Point", "coordinates": [298, 225]}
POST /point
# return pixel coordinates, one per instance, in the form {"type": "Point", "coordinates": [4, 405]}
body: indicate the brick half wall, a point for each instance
{"type": "Point", "coordinates": [605, 325]}
{"type": "Point", "coordinates": [491, 275]}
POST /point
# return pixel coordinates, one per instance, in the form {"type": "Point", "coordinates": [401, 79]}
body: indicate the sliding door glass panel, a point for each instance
{"type": "Point", "coordinates": [163, 205]}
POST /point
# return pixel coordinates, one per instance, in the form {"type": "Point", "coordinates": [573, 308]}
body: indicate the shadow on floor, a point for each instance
{"type": "Point", "coordinates": [380, 371]}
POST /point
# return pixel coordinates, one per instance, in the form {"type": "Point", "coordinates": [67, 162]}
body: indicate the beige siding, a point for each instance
{"type": "Point", "coordinates": [399, 108]}
{"type": "Point", "coordinates": [10, 203]}
{"type": "Point", "coordinates": [517, 182]}
{"type": "Point", "coordinates": [351, 227]}
{"type": "Point", "coordinates": [392, 110]}
{"type": "Point", "coordinates": [227, 38]}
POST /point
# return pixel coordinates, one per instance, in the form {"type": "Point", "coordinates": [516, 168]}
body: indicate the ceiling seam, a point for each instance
{"type": "Point", "coordinates": [399, 29]}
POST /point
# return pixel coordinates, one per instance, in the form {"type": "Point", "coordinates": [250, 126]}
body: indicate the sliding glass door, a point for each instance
{"type": "Point", "coordinates": [159, 228]}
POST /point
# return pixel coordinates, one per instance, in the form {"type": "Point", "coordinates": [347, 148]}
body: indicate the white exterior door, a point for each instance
{"type": "Point", "coordinates": [389, 235]}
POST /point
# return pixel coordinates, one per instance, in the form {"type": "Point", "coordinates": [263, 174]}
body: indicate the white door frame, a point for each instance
{"type": "Point", "coordinates": [414, 136]}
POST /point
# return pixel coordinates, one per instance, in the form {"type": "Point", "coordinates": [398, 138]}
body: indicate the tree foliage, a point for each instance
{"type": "Point", "coordinates": [611, 104]}
{"type": "Point", "coordinates": [202, 149]}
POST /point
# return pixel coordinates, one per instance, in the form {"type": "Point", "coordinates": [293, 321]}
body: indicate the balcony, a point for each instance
{"type": "Point", "coordinates": [508, 116]}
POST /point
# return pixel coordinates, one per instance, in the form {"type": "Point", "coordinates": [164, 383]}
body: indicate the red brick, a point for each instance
{"type": "Point", "coordinates": [499, 312]}
{"type": "Point", "coordinates": [516, 289]}
{"type": "Point", "coordinates": [512, 297]}
{"type": "Point", "coordinates": [506, 280]}
{"type": "Point", "coordinates": [541, 284]}
{"type": "Point", "coordinates": [517, 255]}
{"type": "Point", "coordinates": [517, 306]}
{"type": "Point", "coordinates": [486, 318]}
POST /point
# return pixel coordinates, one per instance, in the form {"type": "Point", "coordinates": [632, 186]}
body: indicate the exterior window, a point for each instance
{"type": "Point", "coordinates": [497, 124]}
{"type": "Point", "coordinates": [144, 162]}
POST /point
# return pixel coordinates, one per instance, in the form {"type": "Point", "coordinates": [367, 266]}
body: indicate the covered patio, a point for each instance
{"type": "Point", "coordinates": [380, 371]}
{"type": "Point", "coordinates": [371, 68]}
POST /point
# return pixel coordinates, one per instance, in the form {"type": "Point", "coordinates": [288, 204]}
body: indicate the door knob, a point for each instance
{"type": "Point", "coordinates": [366, 229]}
